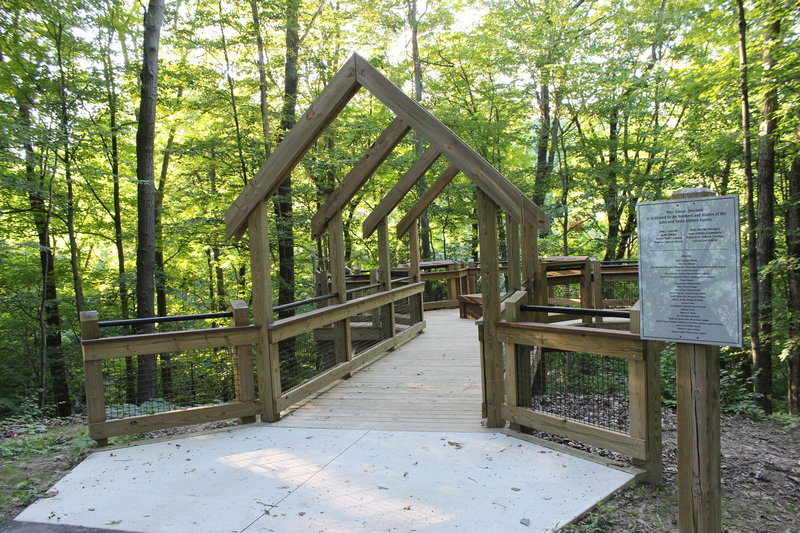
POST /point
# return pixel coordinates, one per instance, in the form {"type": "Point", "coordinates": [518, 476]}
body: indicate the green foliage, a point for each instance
{"type": "Point", "coordinates": [736, 392]}
{"type": "Point", "coordinates": [156, 405]}
{"type": "Point", "coordinates": [599, 520]}
{"type": "Point", "coordinates": [790, 420]}
{"type": "Point", "coordinates": [26, 438]}
{"type": "Point", "coordinates": [642, 99]}
{"type": "Point", "coordinates": [736, 386]}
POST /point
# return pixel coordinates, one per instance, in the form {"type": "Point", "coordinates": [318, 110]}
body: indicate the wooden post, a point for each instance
{"type": "Point", "coordinates": [243, 361]}
{"type": "Point", "coordinates": [586, 288]}
{"type": "Point", "coordinates": [644, 378]}
{"type": "Point", "coordinates": [699, 479]}
{"type": "Point", "coordinates": [535, 273]}
{"type": "Point", "coordinates": [413, 252]}
{"type": "Point", "coordinates": [415, 302]}
{"type": "Point", "coordinates": [472, 285]}
{"type": "Point", "coordinates": [321, 286]}
{"type": "Point", "coordinates": [699, 482]}
{"type": "Point", "coordinates": [342, 334]}
{"type": "Point", "coordinates": [482, 346]}
{"type": "Point", "coordinates": [268, 358]}
{"type": "Point", "coordinates": [530, 260]}
{"type": "Point", "coordinates": [385, 269]}
{"type": "Point", "coordinates": [490, 291]}
{"type": "Point", "coordinates": [513, 251]}
{"type": "Point", "coordinates": [93, 370]}
{"type": "Point", "coordinates": [462, 278]}
{"type": "Point", "coordinates": [452, 283]}
{"type": "Point", "coordinates": [531, 280]}
{"type": "Point", "coordinates": [597, 286]}
{"type": "Point", "coordinates": [518, 363]}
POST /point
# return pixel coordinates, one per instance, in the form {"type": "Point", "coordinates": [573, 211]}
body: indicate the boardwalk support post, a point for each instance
{"type": "Point", "coordinates": [93, 369]}
{"type": "Point", "coordinates": [490, 290]}
{"type": "Point", "coordinates": [243, 361]}
{"type": "Point", "coordinates": [343, 345]}
{"type": "Point", "coordinates": [268, 358]}
{"type": "Point", "coordinates": [699, 480]}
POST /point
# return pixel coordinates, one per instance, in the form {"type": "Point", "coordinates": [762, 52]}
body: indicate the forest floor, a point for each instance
{"type": "Point", "coordinates": [760, 475]}
{"type": "Point", "coordinates": [760, 483]}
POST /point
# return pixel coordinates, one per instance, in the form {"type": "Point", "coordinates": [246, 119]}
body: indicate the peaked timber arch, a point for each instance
{"type": "Point", "coordinates": [248, 213]}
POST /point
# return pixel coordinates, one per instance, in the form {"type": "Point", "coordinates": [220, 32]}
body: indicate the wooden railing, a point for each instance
{"type": "Point", "coordinates": [587, 283]}
{"type": "Point", "coordinates": [457, 278]}
{"type": "Point", "coordinates": [525, 346]}
{"type": "Point", "coordinates": [329, 325]}
{"type": "Point", "coordinates": [239, 337]}
{"type": "Point", "coordinates": [347, 361]}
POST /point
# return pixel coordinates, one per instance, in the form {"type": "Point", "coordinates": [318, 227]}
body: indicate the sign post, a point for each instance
{"type": "Point", "coordinates": [690, 293]}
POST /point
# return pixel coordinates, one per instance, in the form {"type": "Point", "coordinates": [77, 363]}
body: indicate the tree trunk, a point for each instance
{"type": "Point", "coordinates": [765, 235]}
{"type": "Point", "coordinates": [217, 283]}
{"type": "Point", "coordinates": [627, 232]}
{"type": "Point", "coordinates": [51, 353]}
{"type": "Point", "coordinates": [610, 191]}
{"type": "Point", "coordinates": [116, 217]}
{"type": "Point", "coordinates": [543, 168]}
{"type": "Point", "coordinates": [147, 386]}
{"type": "Point", "coordinates": [747, 153]}
{"type": "Point", "coordinates": [283, 200]}
{"type": "Point", "coordinates": [66, 159]}
{"type": "Point", "coordinates": [262, 79]}
{"type": "Point", "coordinates": [231, 92]}
{"type": "Point", "coordinates": [160, 275]}
{"type": "Point", "coordinates": [793, 251]}
{"type": "Point", "coordinates": [426, 250]}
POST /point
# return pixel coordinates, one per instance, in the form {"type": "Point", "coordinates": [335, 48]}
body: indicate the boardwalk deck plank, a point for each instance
{"type": "Point", "coordinates": [431, 383]}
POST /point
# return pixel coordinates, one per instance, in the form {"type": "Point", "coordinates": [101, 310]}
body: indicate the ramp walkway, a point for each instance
{"type": "Point", "coordinates": [397, 447]}
{"type": "Point", "coordinates": [432, 383]}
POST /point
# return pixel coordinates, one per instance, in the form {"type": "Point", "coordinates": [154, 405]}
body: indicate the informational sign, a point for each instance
{"type": "Point", "coordinates": [690, 285]}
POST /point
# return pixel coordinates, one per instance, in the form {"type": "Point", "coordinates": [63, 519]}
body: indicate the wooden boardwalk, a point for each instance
{"type": "Point", "coordinates": [430, 384]}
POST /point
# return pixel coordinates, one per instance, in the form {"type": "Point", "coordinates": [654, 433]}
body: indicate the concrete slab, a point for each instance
{"type": "Point", "coordinates": [292, 480]}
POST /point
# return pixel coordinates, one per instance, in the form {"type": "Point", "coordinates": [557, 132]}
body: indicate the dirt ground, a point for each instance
{"type": "Point", "coordinates": [760, 478]}
{"type": "Point", "coordinates": [760, 484]}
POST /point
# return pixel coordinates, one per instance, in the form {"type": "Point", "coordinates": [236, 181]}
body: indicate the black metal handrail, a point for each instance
{"type": "Point", "coordinates": [205, 316]}
{"type": "Point", "coordinates": [298, 303]}
{"type": "Point", "coordinates": [364, 288]}
{"type": "Point", "coordinates": [607, 313]}
{"type": "Point", "coordinates": [154, 319]}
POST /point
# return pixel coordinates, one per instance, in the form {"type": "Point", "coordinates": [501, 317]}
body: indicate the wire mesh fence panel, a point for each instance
{"type": "Point", "coordinates": [503, 283]}
{"type": "Point", "coordinates": [436, 290]}
{"type": "Point", "coordinates": [568, 294]}
{"type": "Point", "coordinates": [358, 292]}
{"type": "Point", "coordinates": [143, 385]}
{"type": "Point", "coordinates": [305, 356]}
{"type": "Point", "coordinates": [403, 317]}
{"type": "Point", "coordinates": [620, 294]}
{"type": "Point", "coordinates": [407, 312]}
{"type": "Point", "coordinates": [296, 310]}
{"type": "Point", "coordinates": [369, 329]}
{"type": "Point", "coordinates": [589, 388]}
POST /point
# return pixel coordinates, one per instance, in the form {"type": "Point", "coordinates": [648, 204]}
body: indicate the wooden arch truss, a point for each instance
{"type": "Point", "coordinates": [248, 213]}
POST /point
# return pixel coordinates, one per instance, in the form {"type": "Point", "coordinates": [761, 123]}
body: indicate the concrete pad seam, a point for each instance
{"type": "Point", "coordinates": [309, 478]}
